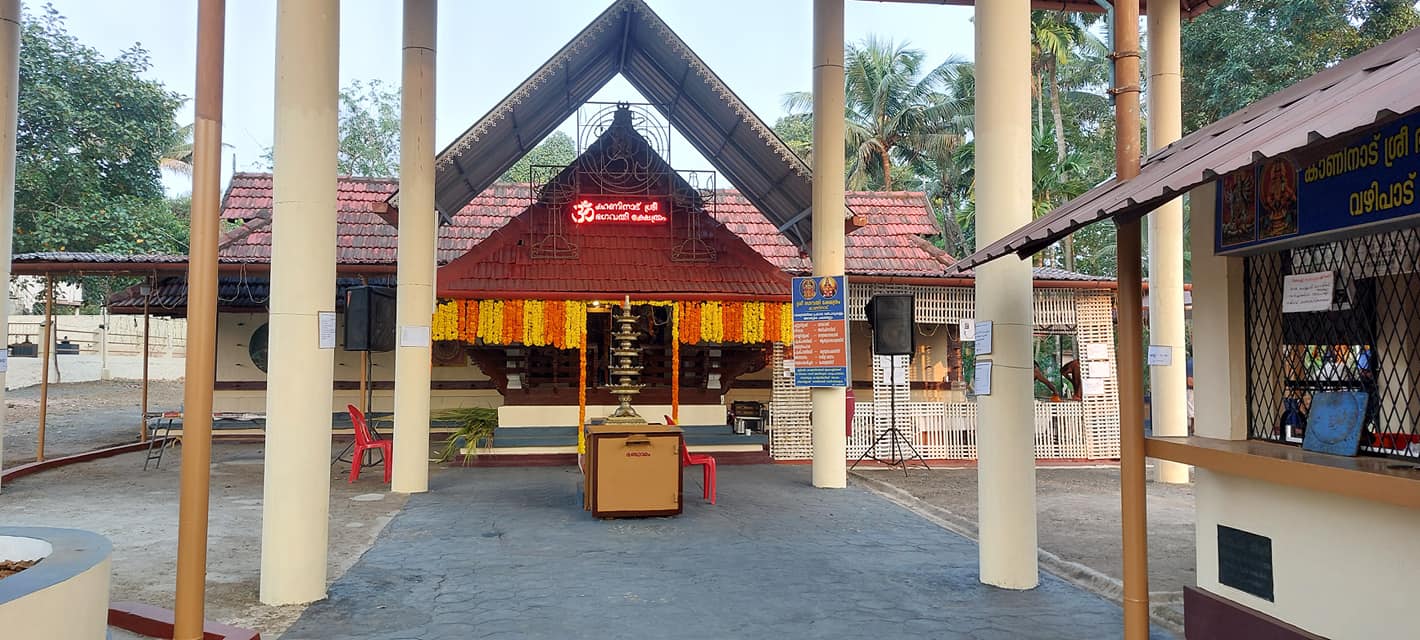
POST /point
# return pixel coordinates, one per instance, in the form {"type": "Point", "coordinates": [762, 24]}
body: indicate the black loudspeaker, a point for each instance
{"type": "Point", "coordinates": [891, 319]}
{"type": "Point", "coordinates": [369, 319]}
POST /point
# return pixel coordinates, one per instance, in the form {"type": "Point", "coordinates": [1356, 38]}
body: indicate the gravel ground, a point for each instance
{"type": "Point", "coordinates": [1078, 512]}
{"type": "Point", "coordinates": [83, 416]}
{"type": "Point", "coordinates": [137, 510]}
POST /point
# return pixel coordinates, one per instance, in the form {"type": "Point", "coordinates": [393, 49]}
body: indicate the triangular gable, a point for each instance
{"type": "Point", "coordinates": [630, 39]}
{"type": "Point", "coordinates": [545, 253]}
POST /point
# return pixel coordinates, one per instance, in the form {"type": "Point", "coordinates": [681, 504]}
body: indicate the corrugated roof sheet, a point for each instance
{"type": "Point", "coordinates": [1372, 87]}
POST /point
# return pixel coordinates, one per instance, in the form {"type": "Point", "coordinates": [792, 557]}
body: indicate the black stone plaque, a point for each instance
{"type": "Point", "coordinates": [1245, 561]}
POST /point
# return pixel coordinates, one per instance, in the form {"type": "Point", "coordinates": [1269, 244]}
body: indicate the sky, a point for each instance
{"type": "Point", "coordinates": [760, 48]}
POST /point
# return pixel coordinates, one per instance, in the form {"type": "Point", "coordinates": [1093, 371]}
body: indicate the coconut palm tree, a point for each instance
{"type": "Point", "coordinates": [897, 114]}
{"type": "Point", "coordinates": [1057, 37]}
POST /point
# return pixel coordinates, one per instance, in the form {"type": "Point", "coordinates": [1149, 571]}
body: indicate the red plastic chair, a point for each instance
{"type": "Point", "coordinates": [707, 462]}
{"type": "Point", "coordinates": [365, 441]}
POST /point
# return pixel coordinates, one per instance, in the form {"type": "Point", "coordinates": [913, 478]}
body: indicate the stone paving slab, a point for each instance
{"type": "Point", "coordinates": [509, 553]}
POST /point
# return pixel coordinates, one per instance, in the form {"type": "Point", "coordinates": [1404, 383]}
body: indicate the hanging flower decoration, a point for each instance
{"type": "Point", "coordinates": [562, 323]}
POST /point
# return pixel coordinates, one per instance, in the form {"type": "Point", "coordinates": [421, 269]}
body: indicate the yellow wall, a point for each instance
{"type": "Point", "coordinates": [234, 365]}
{"type": "Point", "coordinates": [1342, 568]}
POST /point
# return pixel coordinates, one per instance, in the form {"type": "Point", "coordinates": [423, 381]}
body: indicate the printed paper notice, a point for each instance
{"type": "Point", "coordinates": [4, 360]}
{"type": "Point", "coordinates": [1092, 386]}
{"type": "Point", "coordinates": [966, 329]}
{"type": "Point", "coordinates": [983, 337]}
{"type": "Point", "coordinates": [981, 384]}
{"type": "Point", "coordinates": [414, 336]}
{"type": "Point", "coordinates": [1100, 370]}
{"type": "Point", "coordinates": [1097, 351]}
{"type": "Point", "coordinates": [327, 329]}
{"type": "Point", "coordinates": [1305, 292]}
{"type": "Point", "coordinates": [1160, 355]}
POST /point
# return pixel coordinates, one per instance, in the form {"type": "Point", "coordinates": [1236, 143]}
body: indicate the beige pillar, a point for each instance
{"type": "Point", "coordinates": [417, 233]}
{"type": "Point", "coordinates": [9, 106]}
{"type": "Point", "coordinates": [830, 468]}
{"type": "Point", "coordinates": [1005, 425]}
{"type": "Point", "coordinates": [298, 393]}
{"type": "Point", "coordinates": [201, 362]}
{"type": "Point", "coordinates": [1219, 328]}
{"type": "Point", "coordinates": [1167, 383]}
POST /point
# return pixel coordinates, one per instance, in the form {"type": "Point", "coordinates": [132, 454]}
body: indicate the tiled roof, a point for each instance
{"type": "Point", "coordinates": [364, 236]}
{"type": "Point", "coordinates": [890, 244]}
{"type": "Point", "coordinates": [169, 295]}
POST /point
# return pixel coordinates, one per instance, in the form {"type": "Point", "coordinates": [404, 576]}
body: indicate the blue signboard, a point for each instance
{"type": "Point", "coordinates": [1305, 198]}
{"type": "Point", "coordinates": [820, 332]}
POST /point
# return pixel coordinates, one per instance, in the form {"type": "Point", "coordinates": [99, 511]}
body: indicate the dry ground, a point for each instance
{"type": "Point", "coordinates": [83, 416]}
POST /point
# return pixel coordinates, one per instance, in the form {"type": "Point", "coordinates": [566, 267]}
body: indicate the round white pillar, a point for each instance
{"type": "Point", "coordinates": [1167, 383]}
{"type": "Point", "coordinates": [830, 467]}
{"type": "Point", "coordinates": [296, 490]}
{"type": "Point", "coordinates": [1005, 424]}
{"type": "Point", "coordinates": [418, 228]}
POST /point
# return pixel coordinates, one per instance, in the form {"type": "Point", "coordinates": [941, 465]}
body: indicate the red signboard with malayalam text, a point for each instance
{"type": "Point", "coordinates": [601, 209]}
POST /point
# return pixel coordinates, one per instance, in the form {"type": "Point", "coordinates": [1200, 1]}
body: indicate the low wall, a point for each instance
{"type": "Point", "coordinates": [65, 596]}
{"type": "Point", "coordinates": [1342, 568]}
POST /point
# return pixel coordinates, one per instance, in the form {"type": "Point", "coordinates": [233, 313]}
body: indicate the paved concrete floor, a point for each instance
{"type": "Point", "coordinates": [495, 552]}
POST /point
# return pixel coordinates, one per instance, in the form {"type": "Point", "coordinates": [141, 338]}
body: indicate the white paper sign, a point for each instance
{"type": "Point", "coordinates": [414, 336]}
{"type": "Point", "coordinates": [1160, 355]}
{"type": "Point", "coordinates": [966, 329]}
{"type": "Point", "coordinates": [4, 360]}
{"type": "Point", "coordinates": [789, 369]}
{"type": "Point", "coordinates": [1096, 351]}
{"type": "Point", "coordinates": [326, 320]}
{"type": "Point", "coordinates": [1101, 369]}
{"type": "Point", "coordinates": [982, 383]}
{"type": "Point", "coordinates": [1092, 386]}
{"type": "Point", "coordinates": [983, 337]}
{"type": "Point", "coordinates": [1308, 292]}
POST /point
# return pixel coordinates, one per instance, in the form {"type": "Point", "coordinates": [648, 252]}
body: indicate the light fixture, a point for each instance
{"type": "Point", "coordinates": [145, 289]}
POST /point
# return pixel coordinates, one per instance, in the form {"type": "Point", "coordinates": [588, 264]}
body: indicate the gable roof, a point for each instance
{"type": "Point", "coordinates": [630, 39]}
{"type": "Point", "coordinates": [891, 243]}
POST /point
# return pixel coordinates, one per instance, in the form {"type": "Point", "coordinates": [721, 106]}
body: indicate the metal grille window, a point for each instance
{"type": "Point", "coordinates": [1368, 341]}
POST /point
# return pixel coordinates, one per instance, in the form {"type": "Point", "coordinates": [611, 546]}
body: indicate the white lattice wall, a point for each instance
{"type": "Point", "coordinates": [948, 305]}
{"type": "Point", "coordinates": [1101, 412]}
{"type": "Point", "coordinates": [947, 430]}
{"type": "Point", "coordinates": [791, 434]}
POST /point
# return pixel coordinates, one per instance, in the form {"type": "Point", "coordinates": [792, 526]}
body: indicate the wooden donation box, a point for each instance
{"type": "Point", "coordinates": [633, 470]}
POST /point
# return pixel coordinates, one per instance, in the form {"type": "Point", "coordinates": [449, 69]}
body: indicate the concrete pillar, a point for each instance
{"type": "Point", "coordinates": [9, 106]}
{"type": "Point", "coordinates": [1005, 428]}
{"type": "Point", "coordinates": [417, 236]}
{"type": "Point", "coordinates": [1219, 328]}
{"type": "Point", "coordinates": [1167, 383]}
{"type": "Point", "coordinates": [295, 520]}
{"type": "Point", "coordinates": [830, 468]}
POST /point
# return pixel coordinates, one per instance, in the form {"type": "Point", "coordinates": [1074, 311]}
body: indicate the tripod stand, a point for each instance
{"type": "Point", "coordinates": [899, 440]}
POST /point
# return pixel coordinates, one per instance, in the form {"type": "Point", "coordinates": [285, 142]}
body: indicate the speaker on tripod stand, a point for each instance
{"type": "Point", "coordinates": [891, 317]}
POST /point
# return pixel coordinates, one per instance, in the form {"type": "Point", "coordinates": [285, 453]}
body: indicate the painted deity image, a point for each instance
{"type": "Point", "coordinates": [1279, 198]}
{"type": "Point", "coordinates": [1239, 204]}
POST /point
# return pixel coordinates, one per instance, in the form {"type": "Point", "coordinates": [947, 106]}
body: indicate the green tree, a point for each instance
{"type": "Point", "coordinates": [369, 130]}
{"type": "Point", "coordinates": [90, 137]}
{"type": "Point", "coordinates": [555, 150]}
{"type": "Point", "coordinates": [1248, 49]}
{"type": "Point", "coordinates": [1057, 38]}
{"type": "Point", "coordinates": [896, 112]}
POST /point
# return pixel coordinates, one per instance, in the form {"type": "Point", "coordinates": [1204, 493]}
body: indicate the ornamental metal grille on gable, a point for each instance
{"type": "Point", "coordinates": [1364, 346]}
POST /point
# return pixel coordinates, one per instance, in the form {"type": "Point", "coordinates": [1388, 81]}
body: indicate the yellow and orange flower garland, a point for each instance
{"type": "Point", "coordinates": [561, 323]}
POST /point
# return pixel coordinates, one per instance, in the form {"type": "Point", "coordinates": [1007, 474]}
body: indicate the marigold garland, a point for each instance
{"type": "Point", "coordinates": [582, 394]}
{"type": "Point", "coordinates": [562, 323]}
{"type": "Point", "coordinates": [675, 364]}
